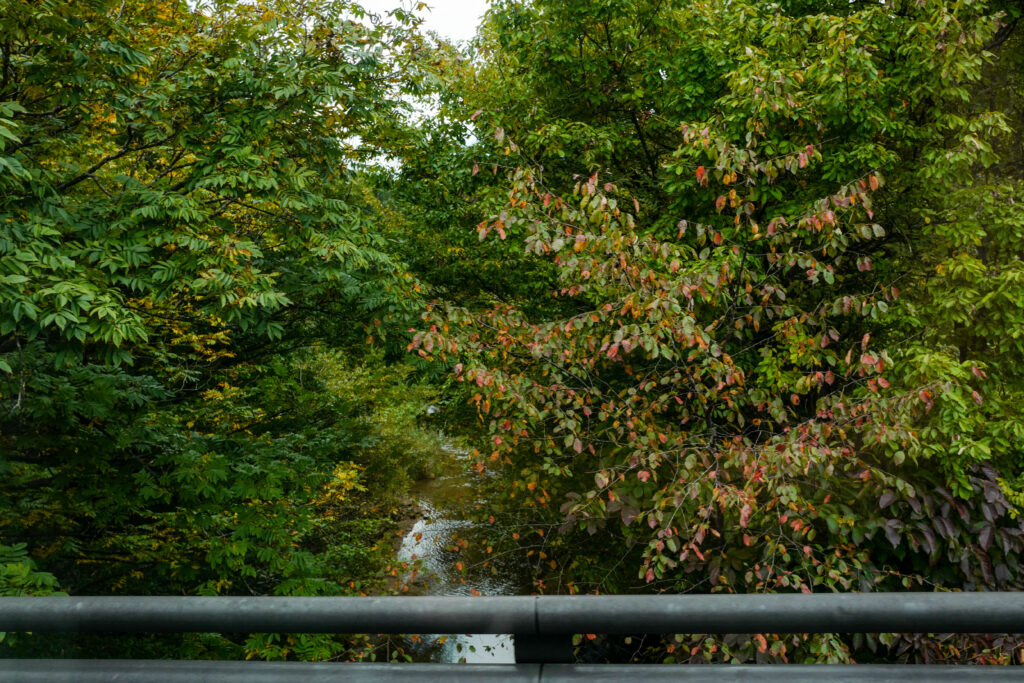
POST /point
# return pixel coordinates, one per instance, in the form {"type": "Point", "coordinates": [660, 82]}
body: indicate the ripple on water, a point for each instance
{"type": "Point", "coordinates": [428, 545]}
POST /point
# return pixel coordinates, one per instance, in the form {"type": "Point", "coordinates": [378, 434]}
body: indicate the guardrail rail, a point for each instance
{"type": "Point", "coordinates": [542, 628]}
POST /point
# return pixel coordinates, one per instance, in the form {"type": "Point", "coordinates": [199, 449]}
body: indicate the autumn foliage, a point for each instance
{"type": "Point", "coordinates": [727, 294]}
{"type": "Point", "coordinates": [752, 385]}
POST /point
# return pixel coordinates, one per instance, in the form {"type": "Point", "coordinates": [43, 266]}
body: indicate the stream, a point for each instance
{"type": "Point", "coordinates": [437, 545]}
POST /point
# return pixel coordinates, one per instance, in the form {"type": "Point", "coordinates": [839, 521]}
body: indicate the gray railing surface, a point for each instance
{"type": "Point", "coordinates": [542, 629]}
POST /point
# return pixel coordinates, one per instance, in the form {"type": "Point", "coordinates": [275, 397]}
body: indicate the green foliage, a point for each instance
{"type": "Point", "coordinates": [169, 160]}
{"type": "Point", "coordinates": [189, 271]}
{"type": "Point", "coordinates": [732, 287]}
{"type": "Point", "coordinates": [19, 574]}
{"type": "Point", "coordinates": [19, 577]}
{"type": "Point", "coordinates": [740, 394]}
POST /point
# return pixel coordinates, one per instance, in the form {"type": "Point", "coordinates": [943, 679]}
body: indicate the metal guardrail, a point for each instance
{"type": "Point", "coordinates": [542, 627]}
{"type": "Point", "coordinates": [134, 671]}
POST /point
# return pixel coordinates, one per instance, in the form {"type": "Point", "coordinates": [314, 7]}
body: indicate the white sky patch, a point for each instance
{"type": "Point", "coordinates": [455, 20]}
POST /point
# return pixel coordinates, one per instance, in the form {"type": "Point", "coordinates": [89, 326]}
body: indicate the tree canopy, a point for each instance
{"type": "Point", "coordinates": [727, 293]}
{"type": "Point", "coordinates": [192, 263]}
{"type": "Point", "coordinates": [775, 236]}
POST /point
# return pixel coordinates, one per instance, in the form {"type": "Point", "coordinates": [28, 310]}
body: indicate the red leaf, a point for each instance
{"type": "Point", "coordinates": [745, 515]}
{"type": "Point", "coordinates": [985, 537]}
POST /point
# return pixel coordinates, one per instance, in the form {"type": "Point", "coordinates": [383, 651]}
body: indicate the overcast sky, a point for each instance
{"type": "Point", "coordinates": [453, 19]}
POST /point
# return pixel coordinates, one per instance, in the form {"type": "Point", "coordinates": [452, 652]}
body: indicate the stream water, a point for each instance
{"type": "Point", "coordinates": [447, 555]}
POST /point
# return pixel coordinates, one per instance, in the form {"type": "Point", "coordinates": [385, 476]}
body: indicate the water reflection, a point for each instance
{"type": "Point", "coordinates": [450, 557]}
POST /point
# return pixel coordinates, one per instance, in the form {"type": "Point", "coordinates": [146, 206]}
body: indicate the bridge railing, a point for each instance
{"type": "Point", "coordinates": [541, 626]}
